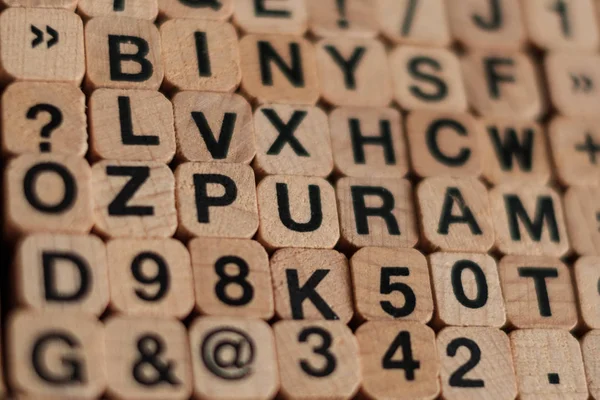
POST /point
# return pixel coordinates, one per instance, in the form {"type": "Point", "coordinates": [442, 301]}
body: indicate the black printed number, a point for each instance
{"type": "Point", "coordinates": [322, 350]}
{"type": "Point", "coordinates": [387, 287]}
{"type": "Point", "coordinates": [457, 379]}
{"type": "Point", "coordinates": [238, 279]}
{"type": "Point", "coordinates": [408, 363]}
{"type": "Point", "coordinates": [160, 277]}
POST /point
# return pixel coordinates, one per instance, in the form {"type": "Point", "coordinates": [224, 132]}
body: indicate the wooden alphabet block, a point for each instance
{"type": "Point", "coordinates": [279, 69]}
{"type": "Point", "coordinates": [503, 84]}
{"type": "Point", "coordinates": [311, 284]}
{"type": "Point", "coordinates": [447, 144]}
{"type": "Point", "coordinates": [427, 79]}
{"type": "Point", "coordinates": [454, 215]}
{"type": "Point", "coordinates": [575, 144]}
{"type": "Point", "coordinates": [67, 4]}
{"type": "Point", "coordinates": [214, 127]}
{"type": "Point", "coordinates": [482, 353]}
{"type": "Point", "coordinates": [587, 283]}
{"type": "Point", "coordinates": [514, 151]}
{"type": "Point", "coordinates": [590, 348]}
{"type": "Point", "coordinates": [232, 278]}
{"type": "Point", "coordinates": [147, 358]}
{"type": "Point", "coordinates": [368, 142]}
{"type": "Point", "coordinates": [131, 125]}
{"type": "Point", "coordinates": [329, 371]}
{"type": "Point", "coordinates": [123, 53]}
{"type": "Point", "coordinates": [399, 361]}
{"type": "Point", "coordinates": [134, 199]}
{"type": "Point", "coordinates": [376, 212]}
{"type": "Point", "coordinates": [354, 72]}
{"type": "Point", "coordinates": [41, 45]}
{"type": "Point", "coordinates": [583, 219]}
{"type": "Point", "coordinates": [548, 364]}
{"type": "Point", "coordinates": [391, 284]}
{"type": "Point", "coordinates": [561, 25]}
{"type": "Point", "coordinates": [538, 292]}
{"type": "Point", "coordinates": [216, 200]}
{"type": "Point", "coordinates": [572, 79]}
{"type": "Point", "coordinates": [481, 24]}
{"type": "Point", "coordinates": [297, 212]}
{"type": "Point", "coordinates": [150, 277]}
{"type": "Point", "coordinates": [352, 18]}
{"type": "Point", "coordinates": [233, 358]}
{"type": "Point", "coordinates": [140, 9]}
{"type": "Point", "coordinates": [288, 17]}
{"type": "Point", "coordinates": [293, 140]}
{"type": "Point", "coordinates": [200, 55]}
{"type": "Point", "coordinates": [55, 355]}
{"type": "Point", "coordinates": [66, 273]}
{"type": "Point", "coordinates": [467, 290]}
{"type": "Point", "coordinates": [42, 118]}
{"type": "Point", "coordinates": [528, 220]}
{"type": "Point", "coordinates": [48, 193]}
{"type": "Point", "coordinates": [219, 10]}
{"type": "Point", "coordinates": [420, 23]}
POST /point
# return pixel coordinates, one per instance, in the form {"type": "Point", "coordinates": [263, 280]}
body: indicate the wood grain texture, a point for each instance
{"type": "Point", "coordinates": [528, 220]}
{"type": "Point", "coordinates": [467, 290]}
{"type": "Point", "coordinates": [292, 140]}
{"type": "Point", "coordinates": [587, 284]}
{"type": "Point", "coordinates": [141, 9]}
{"type": "Point", "coordinates": [225, 195]}
{"type": "Point", "coordinates": [280, 17]}
{"type": "Point", "coordinates": [444, 144]}
{"type": "Point", "coordinates": [58, 58]}
{"type": "Point", "coordinates": [229, 136]}
{"type": "Point", "coordinates": [414, 69]}
{"type": "Point", "coordinates": [150, 278]}
{"type": "Point", "coordinates": [215, 69]}
{"type": "Point", "coordinates": [297, 212]}
{"type": "Point", "coordinates": [391, 284]}
{"type": "Point", "coordinates": [116, 114]}
{"type": "Point", "coordinates": [590, 348]}
{"type": "Point", "coordinates": [132, 74]}
{"type": "Point", "coordinates": [393, 220]}
{"type": "Point", "coordinates": [149, 209]}
{"type": "Point", "coordinates": [231, 278]}
{"type": "Point", "coordinates": [48, 193]}
{"type": "Point", "coordinates": [503, 84]}
{"type": "Point", "coordinates": [359, 18]}
{"type": "Point", "coordinates": [322, 272]}
{"type": "Point", "coordinates": [67, 4]}
{"type": "Point", "coordinates": [254, 374]}
{"type": "Point", "coordinates": [583, 219]}
{"type": "Point", "coordinates": [454, 215]}
{"type": "Point", "coordinates": [66, 273]}
{"type": "Point", "coordinates": [542, 355]}
{"type": "Point", "coordinates": [130, 374]}
{"type": "Point", "coordinates": [25, 114]}
{"type": "Point", "coordinates": [366, 82]}
{"type": "Point", "coordinates": [174, 9]}
{"type": "Point", "coordinates": [381, 340]}
{"type": "Point", "coordinates": [493, 377]}
{"type": "Point", "coordinates": [303, 371]}
{"type": "Point", "coordinates": [528, 305]}
{"type": "Point", "coordinates": [80, 347]}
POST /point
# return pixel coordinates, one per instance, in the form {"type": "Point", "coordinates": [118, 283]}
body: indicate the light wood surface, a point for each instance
{"type": "Point", "coordinates": [141, 9]}
{"type": "Point", "coordinates": [131, 125]}
{"type": "Point", "coordinates": [231, 278]}
{"type": "Point", "coordinates": [583, 219]}
{"type": "Point", "coordinates": [220, 10]}
{"type": "Point", "coordinates": [467, 290]}
{"type": "Point", "coordinates": [587, 284]}
{"type": "Point", "coordinates": [476, 363]}
{"type": "Point", "coordinates": [590, 348]}
{"type": "Point", "coordinates": [67, 4]}
{"type": "Point", "coordinates": [311, 284]}
{"type": "Point", "coordinates": [391, 284]}
{"type": "Point", "coordinates": [356, 18]}
{"type": "Point", "coordinates": [66, 273]}
{"type": "Point", "coordinates": [544, 356]}
{"type": "Point", "coordinates": [134, 199]}
{"type": "Point", "coordinates": [317, 360]}
{"type": "Point", "coordinates": [150, 278]}
{"type": "Point", "coordinates": [376, 212]}
{"type": "Point", "coordinates": [538, 292]}
{"type": "Point", "coordinates": [288, 17]}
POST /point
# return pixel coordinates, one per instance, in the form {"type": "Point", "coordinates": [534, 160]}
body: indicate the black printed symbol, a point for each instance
{"type": "Point", "coordinates": [56, 119]}
{"type": "Point", "coordinates": [343, 21]}
{"type": "Point", "coordinates": [228, 353]}
{"type": "Point", "coordinates": [214, 4]}
{"type": "Point", "coordinates": [409, 16]}
{"type": "Point", "coordinates": [39, 36]}
{"type": "Point", "coordinates": [590, 147]}
{"type": "Point", "coordinates": [598, 219]}
{"type": "Point", "coordinates": [554, 379]}
{"type": "Point", "coordinates": [582, 83]}
{"type": "Point", "coordinates": [150, 347]}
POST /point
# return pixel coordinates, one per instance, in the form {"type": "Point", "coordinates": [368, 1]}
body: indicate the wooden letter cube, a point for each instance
{"type": "Point", "coordinates": [288, 17]}
{"type": "Point", "coordinates": [219, 10]}
{"type": "Point", "coordinates": [590, 348]}
{"type": "Point", "coordinates": [587, 282]}
{"type": "Point", "coordinates": [141, 9]}
{"type": "Point", "coordinates": [582, 213]}
{"type": "Point", "coordinates": [67, 4]}
{"type": "Point", "coordinates": [353, 18]}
